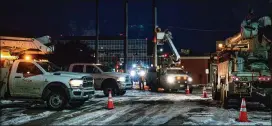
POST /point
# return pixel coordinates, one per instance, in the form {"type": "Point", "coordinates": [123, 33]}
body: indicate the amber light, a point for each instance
{"type": "Point", "coordinates": [178, 78]}
{"type": "Point", "coordinates": [28, 57]}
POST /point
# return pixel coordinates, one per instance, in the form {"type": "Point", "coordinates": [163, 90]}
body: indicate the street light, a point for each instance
{"type": "Point", "coordinates": [161, 49]}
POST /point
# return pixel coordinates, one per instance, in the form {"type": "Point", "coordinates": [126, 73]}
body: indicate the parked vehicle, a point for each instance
{"type": "Point", "coordinates": [104, 77]}
{"type": "Point", "coordinates": [37, 80]}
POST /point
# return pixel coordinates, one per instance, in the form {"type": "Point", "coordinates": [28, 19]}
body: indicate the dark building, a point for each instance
{"type": "Point", "coordinates": [111, 48]}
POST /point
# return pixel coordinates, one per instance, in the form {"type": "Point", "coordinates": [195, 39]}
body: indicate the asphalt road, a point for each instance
{"type": "Point", "coordinates": [134, 108]}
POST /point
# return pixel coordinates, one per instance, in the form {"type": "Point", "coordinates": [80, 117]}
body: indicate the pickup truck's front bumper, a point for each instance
{"type": "Point", "coordinates": [125, 85]}
{"type": "Point", "coordinates": [81, 94]}
{"type": "Point", "coordinates": [176, 85]}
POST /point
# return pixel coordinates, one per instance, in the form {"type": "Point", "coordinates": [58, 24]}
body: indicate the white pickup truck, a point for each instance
{"type": "Point", "coordinates": [104, 78]}
{"type": "Point", "coordinates": [41, 81]}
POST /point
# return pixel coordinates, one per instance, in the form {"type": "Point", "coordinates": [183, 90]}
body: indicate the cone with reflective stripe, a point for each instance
{"type": "Point", "coordinates": [187, 90]}
{"type": "Point", "coordinates": [110, 101]}
{"type": "Point", "coordinates": [243, 112]}
{"type": "Point", "coordinates": [204, 93]}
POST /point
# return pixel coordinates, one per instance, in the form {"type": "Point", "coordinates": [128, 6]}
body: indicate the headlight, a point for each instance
{"type": "Point", "coordinates": [122, 79]}
{"type": "Point", "coordinates": [76, 83]}
{"type": "Point", "coordinates": [190, 79]}
{"type": "Point", "coordinates": [170, 79]}
{"type": "Point", "coordinates": [132, 73]}
{"type": "Point", "coordinates": [142, 73]}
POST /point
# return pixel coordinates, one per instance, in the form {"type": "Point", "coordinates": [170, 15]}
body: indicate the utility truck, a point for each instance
{"type": "Point", "coordinates": [240, 65]}
{"type": "Point", "coordinates": [169, 76]}
{"type": "Point", "coordinates": [26, 77]}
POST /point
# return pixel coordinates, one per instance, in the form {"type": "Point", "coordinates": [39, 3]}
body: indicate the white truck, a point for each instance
{"type": "Point", "coordinates": [104, 77]}
{"type": "Point", "coordinates": [170, 77]}
{"type": "Point", "coordinates": [39, 81]}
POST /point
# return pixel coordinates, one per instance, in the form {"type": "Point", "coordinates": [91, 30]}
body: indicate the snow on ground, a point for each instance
{"type": "Point", "coordinates": [137, 108]}
{"type": "Point", "coordinates": [19, 118]}
{"type": "Point", "coordinates": [221, 116]}
{"type": "Point", "coordinates": [153, 96]}
{"type": "Point", "coordinates": [9, 102]}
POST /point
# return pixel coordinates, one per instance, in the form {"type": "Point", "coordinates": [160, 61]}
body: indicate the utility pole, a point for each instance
{"type": "Point", "coordinates": [125, 35]}
{"type": "Point", "coordinates": [97, 32]}
{"type": "Point", "coordinates": [155, 56]}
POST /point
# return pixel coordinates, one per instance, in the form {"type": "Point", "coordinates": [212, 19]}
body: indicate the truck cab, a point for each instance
{"type": "Point", "coordinates": [42, 81]}
{"type": "Point", "coordinates": [170, 79]}
{"type": "Point", "coordinates": [104, 77]}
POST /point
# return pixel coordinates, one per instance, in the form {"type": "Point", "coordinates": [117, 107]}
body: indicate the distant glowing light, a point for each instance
{"type": "Point", "coordinates": [220, 45]}
{"type": "Point", "coordinates": [27, 57]}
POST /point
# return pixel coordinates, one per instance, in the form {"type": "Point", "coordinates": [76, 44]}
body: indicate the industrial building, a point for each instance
{"type": "Point", "coordinates": [111, 49]}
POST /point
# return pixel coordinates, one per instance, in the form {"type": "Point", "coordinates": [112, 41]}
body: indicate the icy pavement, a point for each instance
{"type": "Point", "coordinates": [134, 108]}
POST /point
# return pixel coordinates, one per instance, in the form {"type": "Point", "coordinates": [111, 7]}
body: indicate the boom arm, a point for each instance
{"type": "Point", "coordinates": [168, 37]}
{"type": "Point", "coordinates": [18, 45]}
{"type": "Point", "coordinates": [257, 28]}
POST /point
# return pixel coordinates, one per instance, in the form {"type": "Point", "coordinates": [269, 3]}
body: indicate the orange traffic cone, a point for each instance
{"type": "Point", "coordinates": [204, 93]}
{"type": "Point", "coordinates": [243, 112]}
{"type": "Point", "coordinates": [110, 101]}
{"type": "Point", "coordinates": [187, 90]}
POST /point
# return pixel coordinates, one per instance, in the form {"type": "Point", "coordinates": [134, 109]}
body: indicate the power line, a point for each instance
{"type": "Point", "coordinates": [203, 30]}
{"type": "Point", "coordinates": [186, 29]}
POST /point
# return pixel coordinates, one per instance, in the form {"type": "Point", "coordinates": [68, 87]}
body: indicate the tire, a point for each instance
{"type": "Point", "coordinates": [154, 88]}
{"type": "Point", "coordinates": [167, 90]}
{"type": "Point", "coordinates": [110, 85]}
{"type": "Point", "coordinates": [191, 90]}
{"type": "Point", "coordinates": [174, 90]}
{"type": "Point", "coordinates": [226, 103]}
{"type": "Point", "coordinates": [224, 100]}
{"type": "Point", "coordinates": [76, 104]}
{"type": "Point", "coordinates": [215, 94]}
{"type": "Point", "coordinates": [122, 92]}
{"type": "Point", "coordinates": [270, 101]}
{"type": "Point", "coordinates": [56, 100]}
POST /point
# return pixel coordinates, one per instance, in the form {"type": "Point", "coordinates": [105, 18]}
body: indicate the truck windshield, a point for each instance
{"type": "Point", "coordinates": [49, 67]}
{"type": "Point", "coordinates": [258, 66]}
{"type": "Point", "coordinates": [174, 71]}
{"type": "Point", "coordinates": [105, 68]}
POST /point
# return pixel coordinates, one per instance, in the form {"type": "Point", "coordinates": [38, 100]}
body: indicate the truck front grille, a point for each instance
{"type": "Point", "coordinates": [88, 82]}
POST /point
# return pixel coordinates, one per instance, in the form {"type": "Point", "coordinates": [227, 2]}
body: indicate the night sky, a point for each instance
{"type": "Point", "coordinates": [195, 24]}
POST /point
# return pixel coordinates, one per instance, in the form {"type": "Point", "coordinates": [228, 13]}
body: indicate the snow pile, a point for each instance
{"type": "Point", "coordinates": [23, 118]}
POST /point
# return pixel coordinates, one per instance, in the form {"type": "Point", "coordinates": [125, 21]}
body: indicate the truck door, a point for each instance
{"type": "Point", "coordinates": [28, 80]}
{"type": "Point", "coordinates": [96, 75]}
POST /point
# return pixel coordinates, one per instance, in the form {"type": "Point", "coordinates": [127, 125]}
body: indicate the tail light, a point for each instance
{"type": "Point", "coordinates": [264, 78]}
{"type": "Point", "coordinates": [234, 78]}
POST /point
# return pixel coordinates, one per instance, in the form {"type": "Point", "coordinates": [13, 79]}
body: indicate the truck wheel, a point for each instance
{"type": "Point", "coordinates": [175, 90]}
{"type": "Point", "coordinates": [110, 85]}
{"type": "Point", "coordinates": [56, 100]}
{"type": "Point", "coordinates": [76, 104]}
{"type": "Point", "coordinates": [167, 90]}
{"type": "Point", "coordinates": [215, 94]}
{"type": "Point", "coordinates": [224, 100]}
{"type": "Point", "coordinates": [122, 92]}
{"type": "Point", "coordinates": [154, 88]}
{"type": "Point", "coordinates": [270, 101]}
{"type": "Point", "coordinates": [191, 90]}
